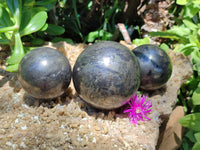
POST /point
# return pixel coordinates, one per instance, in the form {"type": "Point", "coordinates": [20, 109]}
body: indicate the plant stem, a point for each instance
{"type": "Point", "coordinates": [6, 29]}
{"type": "Point", "coordinates": [76, 13]}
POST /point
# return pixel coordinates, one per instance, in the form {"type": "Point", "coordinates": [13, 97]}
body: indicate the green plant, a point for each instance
{"type": "Point", "coordinates": [89, 20]}
{"type": "Point", "coordinates": [107, 28]}
{"type": "Point", "coordinates": [192, 121]}
{"type": "Point", "coordinates": [19, 18]}
{"type": "Point", "coordinates": [185, 36]}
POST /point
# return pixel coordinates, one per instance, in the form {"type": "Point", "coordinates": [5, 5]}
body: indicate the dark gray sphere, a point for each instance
{"type": "Point", "coordinates": [44, 73]}
{"type": "Point", "coordinates": [106, 74]}
{"type": "Point", "coordinates": [155, 66]}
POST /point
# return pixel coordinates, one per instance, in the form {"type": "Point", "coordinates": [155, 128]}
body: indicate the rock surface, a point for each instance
{"type": "Point", "coordinates": [68, 123]}
{"type": "Point", "coordinates": [172, 137]}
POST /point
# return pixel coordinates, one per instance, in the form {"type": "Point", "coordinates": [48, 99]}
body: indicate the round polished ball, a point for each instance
{"type": "Point", "coordinates": [155, 66]}
{"type": "Point", "coordinates": [44, 73]}
{"type": "Point", "coordinates": [106, 74]}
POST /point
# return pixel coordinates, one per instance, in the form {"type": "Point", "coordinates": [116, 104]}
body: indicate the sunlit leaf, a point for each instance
{"type": "Point", "coordinates": [186, 49]}
{"type": "Point", "coordinates": [17, 52]}
{"type": "Point", "coordinates": [89, 6]}
{"type": "Point", "coordinates": [196, 96]}
{"type": "Point", "coordinates": [98, 34]}
{"type": "Point", "coordinates": [197, 136]}
{"type": "Point", "coordinates": [143, 41]}
{"type": "Point", "coordinates": [45, 26]}
{"type": "Point", "coordinates": [182, 2]}
{"type": "Point", "coordinates": [165, 47]}
{"type": "Point", "coordinates": [190, 10]}
{"type": "Point", "coordinates": [196, 146]}
{"type": "Point", "coordinates": [196, 1]}
{"type": "Point", "coordinates": [166, 34]}
{"type": "Point", "coordinates": [195, 56]}
{"type": "Point", "coordinates": [12, 68]}
{"type": "Point", "coordinates": [191, 121]}
{"type": "Point", "coordinates": [9, 28]}
{"type": "Point", "coordinates": [190, 24]}
{"type": "Point", "coordinates": [193, 39]}
{"type": "Point", "coordinates": [35, 24]}
{"type": "Point", "coordinates": [197, 65]}
{"type": "Point", "coordinates": [28, 13]}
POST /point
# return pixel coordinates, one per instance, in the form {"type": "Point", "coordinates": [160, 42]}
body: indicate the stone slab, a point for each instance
{"type": "Point", "coordinates": [69, 123]}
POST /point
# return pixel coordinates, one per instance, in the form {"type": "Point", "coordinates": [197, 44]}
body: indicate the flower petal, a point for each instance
{"type": "Point", "coordinates": [138, 108]}
{"type": "Point", "coordinates": [147, 118]}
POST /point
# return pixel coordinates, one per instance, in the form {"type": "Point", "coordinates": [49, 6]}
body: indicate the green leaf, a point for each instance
{"type": "Point", "coordinates": [89, 6]}
{"type": "Point", "coordinates": [49, 4]}
{"type": "Point", "coordinates": [37, 42]}
{"type": "Point", "coordinates": [165, 34]}
{"type": "Point", "coordinates": [59, 39]}
{"type": "Point", "coordinates": [4, 41]}
{"type": "Point", "coordinates": [28, 3]}
{"type": "Point", "coordinates": [5, 19]}
{"type": "Point", "coordinates": [165, 47]}
{"type": "Point", "coordinates": [195, 55]}
{"type": "Point", "coordinates": [193, 39]}
{"type": "Point", "coordinates": [27, 49]}
{"type": "Point", "coordinates": [181, 31]}
{"type": "Point", "coordinates": [143, 41]}
{"type": "Point", "coordinates": [98, 34]}
{"type": "Point", "coordinates": [196, 96]}
{"type": "Point", "coordinates": [6, 29]}
{"type": "Point", "coordinates": [17, 52]}
{"type": "Point", "coordinates": [196, 146]}
{"type": "Point", "coordinates": [35, 24]}
{"type": "Point", "coordinates": [182, 2]}
{"type": "Point", "coordinates": [190, 10]}
{"type": "Point", "coordinates": [4, 38]}
{"type": "Point", "coordinates": [192, 83]}
{"type": "Point", "coordinates": [190, 24]}
{"type": "Point", "coordinates": [15, 6]}
{"type": "Point", "coordinates": [196, 1]}
{"type": "Point", "coordinates": [27, 14]}
{"type": "Point", "coordinates": [197, 136]}
{"type": "Point", "coordinates": [55, 30]}
{"type": "Point", "coordinates": [176, 33]}
{"type": "Point", "coordinates": [190, 136]}
{"type": "Point", "coordinates": [12, 68]}
{"type": "Point", "coordinates": [197, 67]}
{"type": "Point", "coordinates": [187, 49]}
{"type": "Point", "coordinates": [192, 121]}
{"type": "Point", "coordinates": [45, 26]}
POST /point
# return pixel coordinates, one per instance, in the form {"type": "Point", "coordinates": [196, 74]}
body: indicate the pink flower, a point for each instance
{"type": "Point", "coordinates": [138, 108]}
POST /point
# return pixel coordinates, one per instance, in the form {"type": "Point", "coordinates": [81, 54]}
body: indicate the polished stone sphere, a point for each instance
{"type": "Point", "coordinates": [44, 73]}
{"type": "Point", "coordinates": [106, 74]}
{"type": "Point", "coordinates": [155, 66]}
